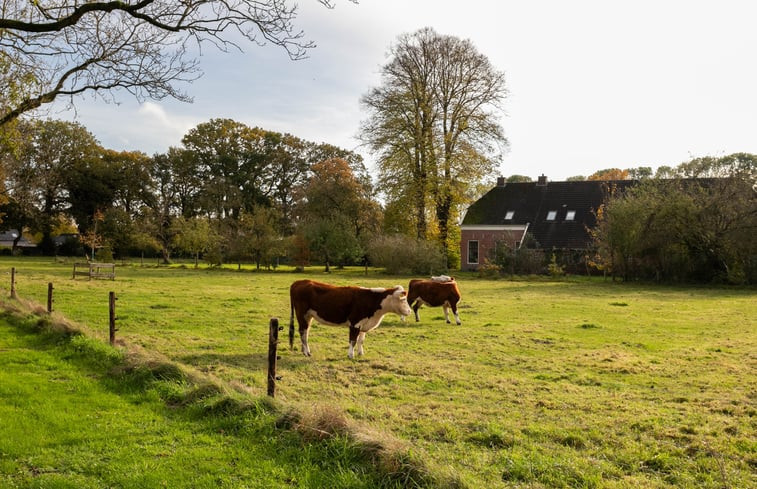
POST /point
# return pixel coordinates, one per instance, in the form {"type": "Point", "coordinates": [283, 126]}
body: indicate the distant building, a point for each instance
{"type": "Point", "coordinates": [556, 214]}
{"type": "Point", "coordinates": [8, 237]}
{"type": "Point", "coordinates": [64, 238]}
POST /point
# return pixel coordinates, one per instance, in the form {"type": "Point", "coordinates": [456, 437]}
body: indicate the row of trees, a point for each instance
{"type": "Point", "coordinates": [235, 193]}
{"type": "Point", "coordinates": [697, 226]}
{"type": "Point", "coordinates": [230, 192]}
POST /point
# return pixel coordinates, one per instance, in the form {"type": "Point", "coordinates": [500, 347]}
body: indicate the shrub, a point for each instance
{"type": "Point", "coordinates": [402, 254]}
{"type": "Point", "coordinates": [554, 269]}
{"type": "Point", "coordinates": [104, 255]}
{"type": "Point", "coordinates": [526, 260]}
{"type": "Point", "coordinates": [488, 269]}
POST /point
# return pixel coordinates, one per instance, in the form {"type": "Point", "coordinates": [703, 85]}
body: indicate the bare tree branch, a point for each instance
{"type": "Point", "coordinates": [54, 48]}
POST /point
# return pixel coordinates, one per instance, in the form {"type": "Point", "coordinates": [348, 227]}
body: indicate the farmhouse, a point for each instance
{"type": "Point", "coordinates": [555, 214]}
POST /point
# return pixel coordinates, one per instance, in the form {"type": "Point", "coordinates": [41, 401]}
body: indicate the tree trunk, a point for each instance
{"type": "Point", "coordinates": [443, 208]}
{"type": "Point", "coordinates": [166, 255]}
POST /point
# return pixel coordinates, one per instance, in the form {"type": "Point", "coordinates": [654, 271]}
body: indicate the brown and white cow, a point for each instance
{"type": "Point", "coordinates": [359, 308]}
{"type": "Point", "coordinates": [439, 291]}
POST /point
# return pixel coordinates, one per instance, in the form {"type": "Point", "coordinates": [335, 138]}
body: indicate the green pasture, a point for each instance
{"type": "Point", "coordinates": [64, 424]}
{"type": "Point", "coordinates": [571, 383]}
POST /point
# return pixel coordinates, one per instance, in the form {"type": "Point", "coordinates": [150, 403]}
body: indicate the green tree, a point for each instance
{"type": "Point", "coordinates": [40, 170]}
{"type": "Point", "coordinates": [640, 172]}
{"type": "Point", "coordinates": [683, 229]}
{"type": "Point", "coordinates": [434, 124]}
{"type": "Point", "coordinates": [91, 185]}
{"type": "Point", "coordinates": [289, 160]}
{"type": "Point", "coordinates": [224, 152]}
{"type": "Point", "coordinates": [179, 175]}
{"type": "Point", "coordinates": [664, 171]}
{"type": "Point", "coordinates": [194, 236]}
{"type": "Point", "coordinates": [255, 237]}
{"type": "Point", "coordinates": [330, 239]}
{"type": "Point", "coordinates": [134, 187]}
{"type": "Point", "coordinates": [337, 212]}
{"type": "Point", "coordinates": [264, 243]}
{"type": "Point", "coordinates": [518, 179]}
{"type": "Point", "coordinates": [167, 200]}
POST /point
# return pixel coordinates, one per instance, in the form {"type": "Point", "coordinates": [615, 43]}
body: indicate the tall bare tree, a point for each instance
{"type": "Point", "coordinates": [54, 48]}
{"type": "Point", "coordinates": [434, 123]}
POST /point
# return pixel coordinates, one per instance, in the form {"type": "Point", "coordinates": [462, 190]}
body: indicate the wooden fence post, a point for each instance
{"type": "Point", "coordinates": [49, 297]}
{"type": "Point", "coordinates": [112, 314]}
{"type": "Point", "coordinates": [13, 282]}
{"type": "Point", "coordinates": [273, 340]}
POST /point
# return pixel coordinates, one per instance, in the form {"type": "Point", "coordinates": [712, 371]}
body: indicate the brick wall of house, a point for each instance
{"type": "Point", "coordinates": [486, 242]}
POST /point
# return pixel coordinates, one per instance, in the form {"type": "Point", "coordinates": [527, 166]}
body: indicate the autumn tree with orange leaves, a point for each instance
{"type": "Point", "coordinates": [338, 212]}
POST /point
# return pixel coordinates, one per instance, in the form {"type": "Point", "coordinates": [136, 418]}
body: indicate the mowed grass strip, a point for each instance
{"type": "Point", "coordinates": [577, 383]}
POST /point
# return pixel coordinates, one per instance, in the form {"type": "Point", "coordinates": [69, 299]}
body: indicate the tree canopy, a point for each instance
{"type": "Point", "coordinates": [433, 122]}
{"type": "Point", "coordinates": [696, 227]}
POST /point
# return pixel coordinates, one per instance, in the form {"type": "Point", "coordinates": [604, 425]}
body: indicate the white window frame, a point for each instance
{"type": "Point", "coordinates": [570, 216]}
{"type": "Point", "coordinates": [509, 215]}
{"type": "Point", "coordinates": [470, 241]}
{"type": "Point", "coordinates": [551, 216]}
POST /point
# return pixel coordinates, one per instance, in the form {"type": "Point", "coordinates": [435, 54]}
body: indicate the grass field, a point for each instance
{"type": "Point", "coordinates": [575, 383]}
{"type": "Point", "coordinates": [64, 423]}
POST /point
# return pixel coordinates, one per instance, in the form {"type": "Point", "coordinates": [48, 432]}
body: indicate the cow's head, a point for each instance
{"type": "Point", "coordinates": [396, 301]}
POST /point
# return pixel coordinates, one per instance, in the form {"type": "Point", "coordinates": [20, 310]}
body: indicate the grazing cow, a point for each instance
{"type": "Point", "coordinates": [439, 291]}
{"type": "Point", "coordinates": [360, 308]}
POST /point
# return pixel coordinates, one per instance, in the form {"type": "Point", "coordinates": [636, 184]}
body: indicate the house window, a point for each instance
{"type": "Point", "coordinates": [570, 216]}
{"type": "Point", "coordinates": [472, 252]}
{"type": "Point", "coordinates": [509, 215]}
{"type": "Point", "coordinates": [551, 215]}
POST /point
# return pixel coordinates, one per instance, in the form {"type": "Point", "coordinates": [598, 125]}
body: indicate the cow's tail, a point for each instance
{"type": "Point", "coordinates": [291, 325]}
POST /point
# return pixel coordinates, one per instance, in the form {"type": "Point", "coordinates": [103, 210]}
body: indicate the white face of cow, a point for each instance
{"type": "Point", "coordinates": [397, 302]}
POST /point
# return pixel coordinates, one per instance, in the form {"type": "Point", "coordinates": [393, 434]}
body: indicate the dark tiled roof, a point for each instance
{"type": "Point", "coordinates": [531, 203]}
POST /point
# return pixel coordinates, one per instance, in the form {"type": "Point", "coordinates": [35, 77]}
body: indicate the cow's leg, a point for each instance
{"type": "Point", "coordinates": [360, 339]}
{"type": "Point", "coordinates": [354, 333]}
{"type": "Point", "coordinates": [417, 306]}
{"type": "Point", "coordinates": [304, 329]}
{"type": "Point", "coordinates": [446, 312]}
{"type": "Point", "coordinates": [454, 311]}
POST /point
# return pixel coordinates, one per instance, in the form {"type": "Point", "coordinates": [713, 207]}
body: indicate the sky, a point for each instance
{"type": "Point", "coordinates": [592, 84]}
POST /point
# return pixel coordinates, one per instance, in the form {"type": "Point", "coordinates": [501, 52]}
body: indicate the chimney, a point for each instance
{"type": "Point", "coordinates": [542, 181]}
{"type": "Point", "coordinates": [500, 181]}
